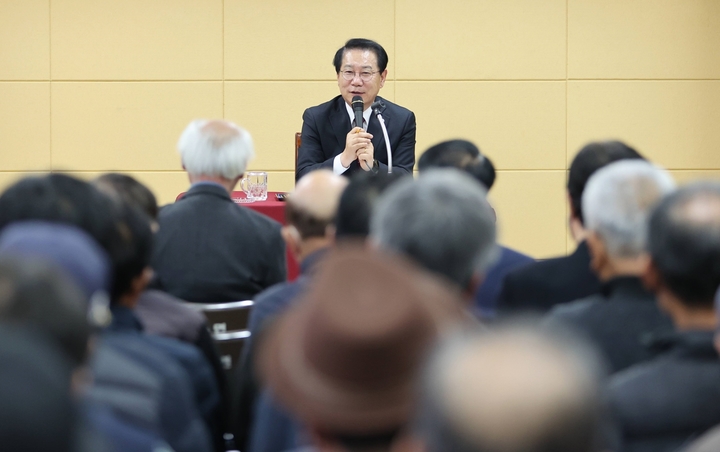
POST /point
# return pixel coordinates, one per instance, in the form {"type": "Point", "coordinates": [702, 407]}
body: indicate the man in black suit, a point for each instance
{"type": "Point", "coordinates": [464, 155]}
{"type": "Point", "coordinates": [539, 286]}
{"type": "Point", "coordinates": [329, 139]}
{"type": "Point", "coordinates": [208, 249]}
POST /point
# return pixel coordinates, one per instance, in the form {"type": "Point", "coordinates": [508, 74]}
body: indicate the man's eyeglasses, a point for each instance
{"type": "Point", "coordinates": [364, 76]}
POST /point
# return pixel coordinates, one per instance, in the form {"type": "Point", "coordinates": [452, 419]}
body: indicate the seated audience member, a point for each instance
{"type": "Point", "coordinates": [352, 223]}
{"type": "Point", "coordinates": [161, 313]}
{"type": "Point", "coordinates": [663, 404]}
{"type": "Point", "coordinates": [539, 286]}
{"type": "Point", "coordinates": [137, 382]}
{"type": "Point", "coordinates": [309, 232]}
{"type": "Point", "coordinates": [616, 203]}
{"type": "Point", "coordinates": [38, 263]}
{"type": "Point", "coordinates": [346, 361]}
{"type": "Point", "coordinates": [37, 413]}
{"type": "Point", "coordinates": [515, 389]}
{"type": "Point", "coordinates": [464, 155]}
{"type": "Point", "coordinates": [208, 249]}
{"type": "Point", "coordinates": [442, 222]}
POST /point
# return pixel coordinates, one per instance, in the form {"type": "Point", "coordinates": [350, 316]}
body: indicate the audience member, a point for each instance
{"type": "Point", "coordinates": [616, 203]}
{"type": "Point", "coordinates": [161, 313]}
{"type": "Point", "coordinates": [346, 358]}
{"type": "Point", "coordinates": [464, 155]}
{"type": "Point", "coordinates": [140, 384]}
{"type": "Point", "coordinates": [515, 389]}
{"type": "Point", "coordinates": [443, 222]}
{"type": "Point", "coordinates": [539, 286]}
{"type": "Point", "coordinates": [352, 223]}
{"type": "Point", "coordinates": [208, 249]}
{"type": "Point", "coordinates": [664, 403]}
{"type": "Point", "coordinates": [309, 232]}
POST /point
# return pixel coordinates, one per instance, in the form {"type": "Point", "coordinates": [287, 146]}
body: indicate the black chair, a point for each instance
{"type": "Point", "coordinates": [225, 317]}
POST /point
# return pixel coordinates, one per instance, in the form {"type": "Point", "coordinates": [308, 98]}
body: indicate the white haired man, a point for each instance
{"type": "Point", "coordinates": [208, 249]}
{"type": "Point", "coordinates": [617, 203]}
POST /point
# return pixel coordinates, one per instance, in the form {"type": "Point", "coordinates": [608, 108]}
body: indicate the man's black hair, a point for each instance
{"type": "Point", "coordinates": [461, 154]}
{"type": "Point", "coordinates": [357, 202]}
{"type": "Point", "coordinates": [591, 158]}
{"type": "Point", "coordinates": [685, 249]}
{"type": "Point", "coordinates": [130, 191]}
{"type": "Point", "coordinates": [364, 44]}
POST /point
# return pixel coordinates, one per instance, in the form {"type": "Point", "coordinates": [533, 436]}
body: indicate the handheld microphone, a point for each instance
{"type": "Point", "coordinates": [358, 106]}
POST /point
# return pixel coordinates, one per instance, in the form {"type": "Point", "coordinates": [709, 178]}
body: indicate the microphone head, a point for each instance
{"type": "Point", "coordinates": [377, 105]}
{"type": "Point", "coordinates": [357, 102]}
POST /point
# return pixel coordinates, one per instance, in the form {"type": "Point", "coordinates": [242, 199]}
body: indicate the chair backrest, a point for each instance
{"type": "Point", "coordinates": [225, 317]}
{"type": "Point", "coordinates": [298, 142]}
{"type": "Point", "coordinates": [229, 347]}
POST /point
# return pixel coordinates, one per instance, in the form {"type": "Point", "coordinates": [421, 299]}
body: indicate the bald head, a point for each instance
{"type": "Point", "coordinates": [510, 391]}
{"type": "Point", "coordinates": [312, 206]}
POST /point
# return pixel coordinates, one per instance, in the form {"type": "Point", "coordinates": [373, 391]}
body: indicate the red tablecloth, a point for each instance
{"type": "Point", "coordinates": [274, 209]}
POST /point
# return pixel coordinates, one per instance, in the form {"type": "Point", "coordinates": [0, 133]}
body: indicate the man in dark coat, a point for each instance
{"type": "Point", "coordinates": [537, 287]}
{"type": "Point", "coordinates": [663, 404]}
{"type": "Point", "coordinates": [208, 249]}
{"type": "Point", "coordinates": [617, 202]}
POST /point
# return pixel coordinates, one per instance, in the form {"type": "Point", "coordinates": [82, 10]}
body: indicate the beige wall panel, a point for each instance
{"type": "Point", "coordinates": [520, 125]}
{"type": "Point", "coordinates": [643, 39]}
{"type": "Point", "coordinates": [684, 177]}
{"type": "Point", "coordinates": [126, 126]}
{"type": "Point", "coordinates": [530, 207]}
{"type": "Point", "coordinates": [7, 178]}
{"type": "Point", "coordinates": [492, 39]}
{"type": "Point", "coordinates": [295, 40]}
{"type": "Point", "coordinates": [137, 39]}
{"type": "Point", "coordinates": [272, 112]}
{"type": "Point", "coordinates": [674, 123]}
{"type": "Point", "coordinates": [24, 126]}
{"type": "Point", "coordinates": [24, 40]}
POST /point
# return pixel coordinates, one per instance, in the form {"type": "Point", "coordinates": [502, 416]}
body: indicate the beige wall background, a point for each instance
{"type": "Point", "coordinates": [88, 86]}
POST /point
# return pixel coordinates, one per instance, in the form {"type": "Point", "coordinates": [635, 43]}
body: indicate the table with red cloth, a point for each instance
{"type": "Point", "coordinates": [274, 209]}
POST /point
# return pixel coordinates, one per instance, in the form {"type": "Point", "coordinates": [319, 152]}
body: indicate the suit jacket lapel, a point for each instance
{"type": "Point", "coordinates": [340, 122]}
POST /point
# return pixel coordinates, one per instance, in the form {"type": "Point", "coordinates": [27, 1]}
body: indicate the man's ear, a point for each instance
{"type": "Point", "coordinates": [140, 282]}
{"type": "Point", "coordinates": [598, 252]}
{"type": "Point", "coordinates": [292, 238]}
{"type": "Point", "coordinates": [651, 277]}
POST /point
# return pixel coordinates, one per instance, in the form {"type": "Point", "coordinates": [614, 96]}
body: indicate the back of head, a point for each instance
{"type": "Point", "coordinates": [313, 205]}
{"type": "Point", "coordinates": [215, 148]}
{"type": "Point", "coordinates": [34, 293]}
{"type": "Point", "coordinates": [442, 221]}
{"type": "Point", "coordinates": [684, 242]}
{"type": "Point", "coordinates": [137, 239]}
{"type": "Point", "coordinates": [130, 191]}
{"type": "Point", "coordinates": [592, 157]}
{"type": "Point", "coordinates": [460, 154]}
{"type": "Point", "coordinates": [617, 203]}
{"type": "Point", "coordinates": [345, 358]}
{"type": "Point", "coordinates": [58, 198]}
{"type": "Point", "coordinates": [358, 201]}
{"type": "Point", "coordinates": [363, 44]}
{"type": "Point", "coordinates": [515, 389]}
{"type": "Point", "coordinates": [36, 410]}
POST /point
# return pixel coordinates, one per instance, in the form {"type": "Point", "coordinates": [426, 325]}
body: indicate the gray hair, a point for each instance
{"type": "Point", "coordinates": [442, 221]}
{"type": "Point", "coordinates": [618, 200]}
{"type": "Point", "coordinates": [215, 148]}
{"type": "Point", "coordinates": [516, 388]}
